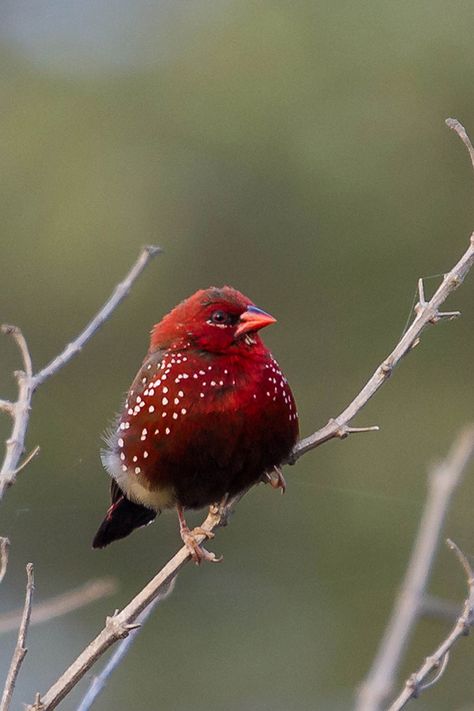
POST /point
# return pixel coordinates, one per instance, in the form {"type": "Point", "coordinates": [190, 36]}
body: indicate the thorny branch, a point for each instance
{"type": "Point", "coordinates": [20, 649]}
{"type": "Point", "coordinates": [443, 480]}
{"type": "Point", "coordinates": [19, 411]}
{"type": "Point", "coordinates": [438, 661]}
{"type": "Point", "coordinates": [426, 312]}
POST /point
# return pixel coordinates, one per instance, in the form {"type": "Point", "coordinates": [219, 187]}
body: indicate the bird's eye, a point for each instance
{"type": "Point", "coordinates": [220, 317]}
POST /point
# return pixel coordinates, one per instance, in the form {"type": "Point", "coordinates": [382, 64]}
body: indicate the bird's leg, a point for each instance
{"type": "Point", "coordinates": [188, 537]}
{"type": "Point", "coordinates": [276, 479]}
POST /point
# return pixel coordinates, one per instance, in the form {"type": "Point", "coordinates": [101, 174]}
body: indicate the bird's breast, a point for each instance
{"type": "Point", "coordinates": [192, 425]}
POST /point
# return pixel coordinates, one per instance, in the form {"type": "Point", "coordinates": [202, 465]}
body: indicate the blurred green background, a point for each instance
{"type": "Point", "coordinates": [298, 152]}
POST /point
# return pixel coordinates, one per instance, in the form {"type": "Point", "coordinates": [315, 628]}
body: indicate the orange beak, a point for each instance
{"type": "Point", "coordinates": [253, 319]}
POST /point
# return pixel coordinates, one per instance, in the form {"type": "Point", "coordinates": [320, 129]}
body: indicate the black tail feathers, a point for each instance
{"type": "Point", "coordinates": [121, 519]}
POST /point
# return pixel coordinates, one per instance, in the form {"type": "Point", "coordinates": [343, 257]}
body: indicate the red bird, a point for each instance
{"type": "Point", "coordinates": [209, 414]}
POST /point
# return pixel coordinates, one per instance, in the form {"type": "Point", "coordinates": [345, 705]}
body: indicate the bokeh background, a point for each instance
{"type": "Point", "coordinates": [296, 150]}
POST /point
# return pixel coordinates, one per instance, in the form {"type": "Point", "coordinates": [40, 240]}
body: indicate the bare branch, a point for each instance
{"type": "Point", "coordinates": [36, 450]}
{"type": "Point", "coordinates": [4, 546]}
{"type": "Point", "coordinates": [119, 293]}
{"type": "Point", "coordinates": [62, 604]}
{"type": "Point", "coordinates": [98, 683]}
{"type": "Point", "coordinates": [19, 411]}
{"type": "Point", "coordinates": [121, 623]}
{"type": "Point", "coordinates": [19, 339]}
{"type": "Point", "coordinates": [458, 128]}
{"type": "Point", "coordinates": [20, 649]}
{"type": "Point", "coordinates": [442, 482]}
{"type": "Point", "coordinates": [437, 662]}
{"type": "Point", "coordinates": [441, 668]}
{"type": "Point", "coordinates": [426, 312]}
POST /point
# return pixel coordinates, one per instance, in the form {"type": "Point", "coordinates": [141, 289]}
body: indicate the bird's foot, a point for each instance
{"type": "Point", "coordinates": [198, 554]}
{"type": "Point", "coordinates": [276, 479]}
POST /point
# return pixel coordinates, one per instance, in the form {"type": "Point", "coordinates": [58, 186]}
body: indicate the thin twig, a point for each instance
{"type": "Point", "coordinates": [437, 662]}
{"type": "Point", "coordinates": [99, 682]}
{"type": "Point", "coordinates": [22, 345]}
{"type": "Point", "coordinates": [20, 413]}
{"type": "Point", "coordinates": [20, 649]}
{"type": "Point", "coordinates": [118, 295]}
{"type": "Point", "coordinates": [28, 458]}
{"type": "Point", "coordinates": [426, 312]}
{"type": "Point", "coordinates": [62, 604]}
{"type": "Point", "coordinates": [4, 548]}
{"type": "Point", "coordinates": [121, 623]}
{"type": "Point", "coordinates": [28, 383]}
{"type": "Point", "coordinates": [458, 128]}
{"type": "Point", "coordinates": [442, 482]}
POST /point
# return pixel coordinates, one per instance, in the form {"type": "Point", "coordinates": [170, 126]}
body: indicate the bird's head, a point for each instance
{"type": "Point", "coordinates": [216, 320]}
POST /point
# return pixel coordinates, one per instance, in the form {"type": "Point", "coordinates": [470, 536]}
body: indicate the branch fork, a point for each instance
{"type": "Point", "coordinates": [423, 305]}
{"type": "Point", "coordinates": [443, 479]}
{"type": "Point", "coordinates": [438, 661]}
{"type": "Point", "coordinates": [343, 430]}
{"type": "Point", "coordinates": [28, 382]}
{"type": "Point", "coordinates": [117, 627]}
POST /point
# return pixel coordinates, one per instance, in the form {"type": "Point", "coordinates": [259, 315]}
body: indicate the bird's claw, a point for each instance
{"type": "Point", "coordinates": [276, 479]}
{"type": "Point", "coordinates": [200, 531]}
{"type": "Point", "coordinates": [198, 554]}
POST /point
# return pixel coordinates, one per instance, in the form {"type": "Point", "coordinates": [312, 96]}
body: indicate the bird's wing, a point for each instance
{"type": "Point", "coordinates": [148, 369]}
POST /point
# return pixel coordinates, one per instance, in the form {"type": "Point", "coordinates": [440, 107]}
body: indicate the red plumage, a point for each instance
{"type": "Point", "coordinates": [208, 414]}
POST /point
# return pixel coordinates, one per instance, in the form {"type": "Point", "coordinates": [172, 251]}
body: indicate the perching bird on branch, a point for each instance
{"type": "Point", "coordinates": [209, 414]}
